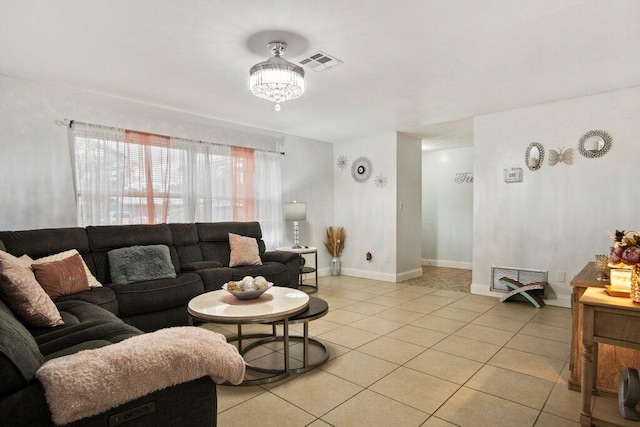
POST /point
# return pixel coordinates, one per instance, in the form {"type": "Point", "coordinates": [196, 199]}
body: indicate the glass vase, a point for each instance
{"type": "Point", "coordinates": [635, 283]}
{"type": "Point", "coordinates": [335, 266]}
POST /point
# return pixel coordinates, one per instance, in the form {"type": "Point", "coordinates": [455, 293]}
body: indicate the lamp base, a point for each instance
{"type": "Point", "coordinates": [296, 246]}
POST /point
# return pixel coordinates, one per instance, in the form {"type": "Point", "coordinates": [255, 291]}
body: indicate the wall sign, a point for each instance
{"type": "Point", "coordinates": [464, 178]}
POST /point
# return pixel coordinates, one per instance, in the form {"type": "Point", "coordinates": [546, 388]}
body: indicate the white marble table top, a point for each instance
{"type": "Point", "coordinates": [277, 303]}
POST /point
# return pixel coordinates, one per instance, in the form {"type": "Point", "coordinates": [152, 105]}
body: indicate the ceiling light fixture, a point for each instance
{"type": "Point", "coordinates": [276, 79]}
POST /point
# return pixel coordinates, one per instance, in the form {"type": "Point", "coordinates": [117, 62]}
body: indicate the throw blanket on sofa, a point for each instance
{"type": "Point", "coordinates": [92, 381]}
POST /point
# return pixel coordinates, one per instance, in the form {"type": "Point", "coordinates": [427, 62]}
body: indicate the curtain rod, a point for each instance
{"type": "Point", "coordinates": [70, 122]}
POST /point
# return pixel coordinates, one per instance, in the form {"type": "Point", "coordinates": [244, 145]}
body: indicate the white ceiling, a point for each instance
{"type": "Point", "coordinates": [423, 67]}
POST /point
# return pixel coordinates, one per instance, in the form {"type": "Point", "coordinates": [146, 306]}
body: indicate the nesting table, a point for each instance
{"type": "Point", "coordinates": [304, 269]}
{"type": "Point", "coordinates": [277, 306]}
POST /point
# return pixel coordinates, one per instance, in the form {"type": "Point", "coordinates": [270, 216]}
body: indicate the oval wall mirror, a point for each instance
{"type": "Point", "coordinates": [594, 143]}
{"type": "Point", "coordinates": [534, 156]}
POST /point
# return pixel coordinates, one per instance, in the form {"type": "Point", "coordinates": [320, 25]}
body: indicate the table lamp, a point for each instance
{"type": "Point", "coordinates": [295, 212]}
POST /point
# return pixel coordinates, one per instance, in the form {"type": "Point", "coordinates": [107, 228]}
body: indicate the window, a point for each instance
{"type": "Point", "coordinates": [128, 177]}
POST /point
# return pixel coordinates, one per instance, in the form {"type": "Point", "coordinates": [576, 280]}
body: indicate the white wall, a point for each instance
{"type": "Point", "coordinates": [409, 208]}
{"type": "Point", "coordinates": [557, 219]}
{"type": "Point", "coordinates": [367, 213]}
{"type": "Point", "coordinates": [307, 176]}
{"type": "Point", "coordinates": [37, 185]}
{"type": "Point", "coordinates": [370, 214]}
{"type": "Point", "coordinates": [447, 208]}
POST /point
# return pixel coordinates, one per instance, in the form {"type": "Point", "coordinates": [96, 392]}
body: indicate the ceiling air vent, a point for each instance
{"type": "Point", "coordinates": [320, 61]}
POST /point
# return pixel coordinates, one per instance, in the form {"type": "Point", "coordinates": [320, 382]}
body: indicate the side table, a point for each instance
{"type": "Point", "coordinates": [606, 320]}
{"type": "Point", "coordinates": [305, 269]}
{"type": "Point", "coordinates": [612, 359]}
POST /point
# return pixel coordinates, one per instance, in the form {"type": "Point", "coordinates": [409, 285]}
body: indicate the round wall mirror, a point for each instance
{"type": "Point", "coordinates": [594, 143]}
{"type": "Point", "coordinates": [534, 156]}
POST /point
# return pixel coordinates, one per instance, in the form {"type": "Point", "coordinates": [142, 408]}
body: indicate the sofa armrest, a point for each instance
{"type": "Point", "coordinates": [193, 403]}
{"type": "Point", "coordinates": [280, 256]}
{"type": "Point", "coordinates": [291, 259]}
{"type": "Point", "coordinates": [89, 383]}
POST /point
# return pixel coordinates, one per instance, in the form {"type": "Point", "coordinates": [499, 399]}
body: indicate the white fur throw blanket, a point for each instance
{"type": "Point", "coordinates": [92, 381]}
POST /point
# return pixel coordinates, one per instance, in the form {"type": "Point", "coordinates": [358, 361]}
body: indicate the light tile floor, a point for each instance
{"type": "Point", "coordinates": [415, 355]}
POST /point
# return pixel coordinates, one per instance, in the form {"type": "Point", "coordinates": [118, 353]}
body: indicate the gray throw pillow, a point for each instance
{"type": "Point", "coordinates": [140, 263]}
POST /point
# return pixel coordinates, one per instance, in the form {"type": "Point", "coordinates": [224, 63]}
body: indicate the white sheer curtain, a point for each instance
{"type": "Point", "coordinates": [268, 197]}
{"type": "Point", "coordinates": [203, 181]}
{"type": "Point", "coordinates": [121, 176]}
{"type": "Point", "coordinates": [99, 173]}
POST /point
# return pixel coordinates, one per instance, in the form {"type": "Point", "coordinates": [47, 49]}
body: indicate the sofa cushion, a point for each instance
{"type": "Point", "coordinates": [83, 322]}
{"type": "Point", "coordinates": [157, 295]}
{"type": "Point", "coordinates": [103, 297]}
{"type": "Point", "coordinates": [214, 278]}
{"type": "Point", "coordinates": [104, 238]}
{"type": "Point", "coordinates": [64, 277]}
{"type": "Point", "coordinates": [140, 263]}
{"type": "Point", "coordinates": [20, 291]}
{"type": "Point", "coordinates": [47, 241]}
{"type": "Point", "coordinates": [20, 357]}
{"type": "Point", "coordinates": [214, 238]}
{"type": "Point", "coordinates": [200, 265]}
{"type": "Point", "coordinates": [93, 282]}
{"type": "Point", "coordinates": [244, 251]}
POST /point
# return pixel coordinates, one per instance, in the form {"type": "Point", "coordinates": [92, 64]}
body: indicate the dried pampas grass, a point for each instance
{"type": "Point", "coordinates": [335, 240]}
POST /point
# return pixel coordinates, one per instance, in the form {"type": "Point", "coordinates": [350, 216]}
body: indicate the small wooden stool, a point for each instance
{"type": "Point", "coordinates": [518, 288]}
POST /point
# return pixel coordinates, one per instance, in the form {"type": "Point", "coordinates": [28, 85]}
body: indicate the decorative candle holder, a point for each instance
{"type": "Point", "coordinates": [634, 294]}
{"type": "Point", "coordinates": [602, 268]}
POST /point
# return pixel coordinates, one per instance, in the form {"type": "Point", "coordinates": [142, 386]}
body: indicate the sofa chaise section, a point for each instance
{"type": "Point", "coordinates": [22, 396]}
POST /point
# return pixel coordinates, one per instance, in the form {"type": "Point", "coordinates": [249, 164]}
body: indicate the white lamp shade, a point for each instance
{"type": "Point", "coordinates": [295, 211]}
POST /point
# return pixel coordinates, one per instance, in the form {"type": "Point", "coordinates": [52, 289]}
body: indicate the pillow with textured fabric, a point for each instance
{"type": "Point", "coordinates": [64, 277]}
{"type": "Point", "coordinates": [244, 251]}
{"type": "Point", "coordinates": [140, 263]}
{"type": "Point", "coordinates": [93, 282]}
{"type": "Point", "coordinates": [23, 294]}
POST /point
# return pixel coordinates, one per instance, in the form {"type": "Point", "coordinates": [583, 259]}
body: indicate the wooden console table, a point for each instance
{"type": "Point", "coordinates": [606, 320]}
{"type": "Point", "coordinates": [611, 359]}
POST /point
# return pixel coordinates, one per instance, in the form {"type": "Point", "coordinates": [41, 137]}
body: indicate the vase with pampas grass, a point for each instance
{"type": "Point", "coordinates": [335, 245]}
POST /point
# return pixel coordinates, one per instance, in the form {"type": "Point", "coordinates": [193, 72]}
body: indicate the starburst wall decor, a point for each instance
{"type": "Point", "coordinates": [381, 181]}
{"type": "Point", "coordinates": [343, 162]}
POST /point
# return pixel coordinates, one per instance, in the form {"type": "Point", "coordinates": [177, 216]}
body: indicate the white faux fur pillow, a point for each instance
{"type": "Point", "coordinates": [244, 251]}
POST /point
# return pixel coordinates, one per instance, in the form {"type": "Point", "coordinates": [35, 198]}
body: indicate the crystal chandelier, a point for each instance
{"type": "Point", "coordinates": [276, 79]}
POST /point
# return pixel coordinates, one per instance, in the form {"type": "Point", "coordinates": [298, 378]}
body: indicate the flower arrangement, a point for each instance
{"type": "Point", "coordinates": [335, 240]}
{"type": "Point", "coordinates": [625, 250]}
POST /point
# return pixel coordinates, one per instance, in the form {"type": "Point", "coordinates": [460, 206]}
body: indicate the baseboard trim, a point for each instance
{"type": "Point", "coordinates": [449, 264]}
{"type": "Point", "coordinates": [366, 274]}
{"type": "Point", "coordinates": [406, 275]}
{"type": "Point", "coordinates": [557, 301]}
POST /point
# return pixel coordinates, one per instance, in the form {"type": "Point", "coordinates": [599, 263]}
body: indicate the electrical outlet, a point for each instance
{"type": "Point", "coordinates": [560, 276]}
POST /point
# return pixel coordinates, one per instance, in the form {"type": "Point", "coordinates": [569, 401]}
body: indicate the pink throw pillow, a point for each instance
{"type": "Point", "coordinates": [23, 294]}
{"type": "Point", "coordinates": [244, 251]}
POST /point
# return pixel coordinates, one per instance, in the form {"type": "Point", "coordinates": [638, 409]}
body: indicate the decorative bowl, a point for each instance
{"type": "Point", "coordinates": [247, 294]}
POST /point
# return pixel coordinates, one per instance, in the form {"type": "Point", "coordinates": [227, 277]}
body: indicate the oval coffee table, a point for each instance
{"type": "Point", "coordinates": [277, 304]}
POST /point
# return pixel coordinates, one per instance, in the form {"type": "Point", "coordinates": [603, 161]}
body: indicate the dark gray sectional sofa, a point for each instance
{"type": "Point", "coordinates": [100, 316]}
